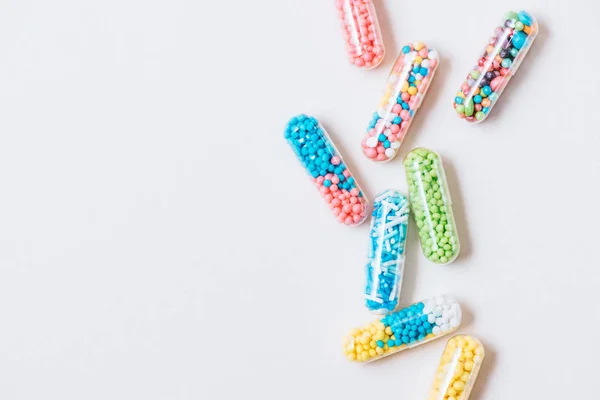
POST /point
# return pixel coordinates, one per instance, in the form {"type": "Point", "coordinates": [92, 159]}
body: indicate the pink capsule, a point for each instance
{"type": "Point", "coordinates": [361, 32]}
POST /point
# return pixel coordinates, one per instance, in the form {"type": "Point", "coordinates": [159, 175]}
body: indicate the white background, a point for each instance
{"type": "Point", "coordinates": [159, 240]}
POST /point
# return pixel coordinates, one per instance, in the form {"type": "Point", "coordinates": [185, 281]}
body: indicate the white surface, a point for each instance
{"type": "Point", "coordinates": [158, 239]}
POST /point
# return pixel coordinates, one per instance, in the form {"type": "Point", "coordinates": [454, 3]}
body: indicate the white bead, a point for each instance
{"type": "Point", "coordinates": [387, 132]}
{"type": "Point", "coordinates": [396, 145]}
{"type": "Point", "coordinates": [418, 77]}
{"type": "Point", "coordinates": [431, 318]}
{"type": "Point", "coordinates": [388, 124]}
{"type": "Point", "coordinates": [426, 309]}
{"type": "Point", "coordinates": [425, 64]}
{"type": "Point", "coordinates": [372, 142]}
{"type": "Point", "coordinates": [436, 330]}
{"type": "Point", "coordinates": [390, 153]}
{"type": "Point", "coordinates": [439, 321]}
{"type": "Point", "coordinates": [454, 322]}
{"type": "Point", "coordinates": [433, 55]}
{"type": "Point", "coordinates": [445, 328]}
{"type": "Point", "coordinates": [438, 311]}
{"type": "Point", "coordinates": [381, 112]}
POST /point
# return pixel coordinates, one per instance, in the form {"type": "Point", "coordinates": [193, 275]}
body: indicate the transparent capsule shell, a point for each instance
{"type": "Point", "coordinates": [431, 205]}
{"type": "Point", "coordinates": [324, 164]}
{"type": "Point", "coordinates": [458, 368]}
{"type": "Point", "coordinates": [499, 62]}
{"type": "Point", "coordinates": [404, 329]}
{"type": "Point", "coordinates": [361, 32]}
{"type": "Point", "coordinates": [385, 258]}
{"type": "Point", "coordinates": [404, 92]}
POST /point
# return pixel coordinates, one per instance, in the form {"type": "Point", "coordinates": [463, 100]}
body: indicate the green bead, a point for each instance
{"type": "Point", "coordinates": [460, 109]}
{"type": "Point", "coordinates": [511, 15]}
{"type": "Point", "coordinates": [469, 108]}
{"type": "Point", "coordinates": [448, 234]}
{"type": "Point", "coordinates": [444, 260]}
{"type": "Point", "coordinates": [475, 74]}
{"type": "Point", "coordinates": [519, 26]}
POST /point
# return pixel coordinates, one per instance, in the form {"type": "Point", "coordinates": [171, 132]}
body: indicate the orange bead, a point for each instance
{"type": "Point", "coordinates": [527, 29]}
{"type": "Point", "coordinates": [477, 91]}
{"type": "Point", "coordinates": [486, 102]}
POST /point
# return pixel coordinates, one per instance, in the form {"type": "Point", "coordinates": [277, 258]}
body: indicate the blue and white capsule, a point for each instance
{"type": "Point", "coordinates": [385, 259]}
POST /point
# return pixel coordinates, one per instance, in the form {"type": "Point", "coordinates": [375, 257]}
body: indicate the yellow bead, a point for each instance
{"type": "Point", "coordinates": [451, 391]}
{"type": "Point", "coordinates": [379, 350]}
{"type": "Point", "coordinates": [465, 377]}
{"type": "Point", "coordinates": [469, 366]}
{"type": "Point", "coordinates": [477, 359]}
{"type": "Point", "coordinates": [479, 351]}
{"type": "Point", "coordinates": [459, 385]}
{"type": "Point", "coordinates": [417, 83]}
{"type": "Point", "coordinates": [351, 356]}
{"type": "Point", "coordinates": [404, 87]}
{"type": "Point", "coordinates": [388, 331]}
{"type": "Point", "coordinates": [460, 94]}
{"type": "Point", "coordinates": [373, 344]}
{"type": "Point", "coordinates": [412, 90]}
{"type": "Point", "coordinates": [380, 326]}
{"type": "Point", "coordinates": [418, 45]}
{"type": "Point", "coordinates": [372, 352]}
{"type": "Point", "coordinates": [469, 355]}
{"type": "Point", "coordinates": [452, 343]}
{"type": "Point", "coordinates": [359, 348]}
{"type": "Point", "coordinates": [365, 355]}
{"type": "Point", "coordinates": [451, 398]}
{"type": "Point", "coordinates": [418, 60]}
{"type": "Point", "coordinates": [373, 330]}
{"type": "Point", "coordinates": [379, 335]}
{"type": "Point", "coordinates": [461, 342]}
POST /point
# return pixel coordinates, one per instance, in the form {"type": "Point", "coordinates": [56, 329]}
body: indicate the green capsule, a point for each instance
{"type": "Point", "coordinates": [469, 108]}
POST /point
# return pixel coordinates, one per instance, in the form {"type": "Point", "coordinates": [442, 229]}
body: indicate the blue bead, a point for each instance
{"type": "Point", "coordinates": [398, 342]}
{"type": "Point", "coordinates": [342, 177]}
{"type": "Point", "coordinates": [387, 144]}
{"type": "Point", "coordinates": [458, 100]}
{"type": "Point", "coordinates": [406, 49]}
{"type": "Point", "coordinates": [411, 79]}
{"type": "Point", "coordinates": [412, 334]}
{"type": "Point", "coordinates": [390, 343]}
{"type": "Point", "coordinates": [477, 99]}
{"type": "Point", "coordinates": [416, 69]}
{"type": "Point", "coordinates": [423, 71]}
{"type": "Point", "coordinates": [405, 106]}
{"type": "Point", "coordinates": [382, 138]}
{"type": "Point", "coordinates": [519, 39]}
{"type": "Point", "coordinates": [326, 183]}
{"type": "Point", "coordinates": [397, 120]}
{"type": "Point", "coordinates": [380, 343]}
{"type": "Point", "coordinates": [485, 110]}
{"type": "Point", "coordinates": [525, 18]}
{"type": "Point", "coordinates": [405, 339]}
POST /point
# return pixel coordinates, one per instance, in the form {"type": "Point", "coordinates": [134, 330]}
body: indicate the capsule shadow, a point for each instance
{"type": "Point", "coordinates": [467, 316]}
{"type": "Point", "coordinates": [458, 209]}
{"type": "Point", "coordinates": [487, 368]}
{"type": "Point", "coordinates": [525, 72]}
{"type": "Point", "coordinates": [411, 266]}
{"type": "Point", "coordinates": [387, 31]}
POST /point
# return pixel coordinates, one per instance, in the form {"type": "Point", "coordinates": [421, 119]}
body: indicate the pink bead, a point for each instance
{"type": "Point", "coordinates": [496, 82]}
{"type": "Point", "coordinates": [394, 128]}
{"type": "Point", "coordinates": [320, 180]}
{"type": "Point", "coordinates": [405, 96]}
{"type": "Point", "coordinates": [336, 202]}
{"type": "Point", "coordinates": [342, 216]}
{"type": "Point", "coordinates": [353, 200]}
{"type": "Point", "coordinates": [465, 88]}
{"type": "Point", "coordinates": [349, 221]}
{"type": "Point", "coordinates": [333, 188]}
{"type": "Point", "coordinates": [328, 197]}
{"type": "Point", "coordinates": [381, 157]}
{"type": "Point", "coordinates": [357, 218]}
{"type": "Point", "coordinates": [346, 173]}
{"type": "Point", "coordinates": [424, 52]}
{"type": "Point", "coordinates": [359, 62]}
{"type": "Point", "coordinates": [369, 152]}
{"type": "Point", "coordinates": [432, 64]}
{"type": "Point", "coordinates": [404, 115]}
{"type": "Point", "coordinates": [336, 211]}
{"type": "Point", "coordinates": [335, 160]}
{"type": "Point", "coordinates": [357, 208]}
{"type": "Point", "coordinates": [354, 192]}
{"type": "Point", "coordinates": [404, 125]}
{"type": "Point", "coordinates": [392, 138]}
{"type": "Point", "coordinates": [335, 180]}
{"type": "Point", "coordinates": [396, 109]}
{"type": "Point", "coordinates": [380, 150]}
{"type": "Point", "coordinates": [347, 208]}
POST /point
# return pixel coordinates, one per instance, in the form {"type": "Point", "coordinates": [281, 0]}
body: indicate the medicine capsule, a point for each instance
{"type": "Point", "coordinates": [431, 205]}
{"type": "Point", "coordinates": [362, 34]}
{"type": "Point", "coordinates": [404, 329]}
{"type": "Point", "coordinates": [325, 165]}
{"type": "Point", "coordinates": [500, 60]}
{"type": "Point", "coordinates": [405, 89]}
{"type": "Point", "coordinates": [458, 368]}
{"type": "Point", "coordinates": [385, 260]}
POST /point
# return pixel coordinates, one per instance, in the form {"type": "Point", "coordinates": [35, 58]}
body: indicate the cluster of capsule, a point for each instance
{"type": "Point", "coordinates": [403, 329]}
{"type": "Point", "coordinates": [361, 32]}
{"type": "Point", "coordinates": [458, 369]}
{"type": "Point", "coordinates": [406, 86]}
{"type": "Point", "coordinates": [385, 260]}
{"type": "Point", "coordinates": [500, 60]}
{"type": "Point", "coordinates": [323, 162]}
